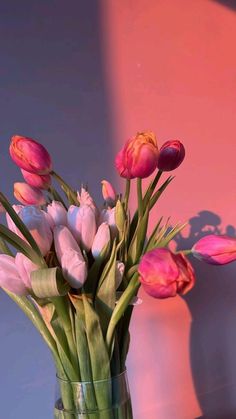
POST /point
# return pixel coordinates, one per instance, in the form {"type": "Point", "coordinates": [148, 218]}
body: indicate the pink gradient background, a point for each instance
{"type": "Point", "coordinates": [171, 67]}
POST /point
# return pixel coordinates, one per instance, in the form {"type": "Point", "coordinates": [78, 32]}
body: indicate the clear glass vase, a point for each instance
{"type": "Point", "coordinates": [105, 399]}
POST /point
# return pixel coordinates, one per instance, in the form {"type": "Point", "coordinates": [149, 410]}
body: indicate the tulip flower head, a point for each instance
{"type": "Point", "coordinates": [164, 274]}
{"type": "Point", "coordinates": [101, 239]}
{"type": "Point", "coordinates": [108, 193]}
{"type": "Point", "coordinates": [171, 155]}
{"type": "Point", "coordinates": [28, 195]}
{"type": "Point", "coordinates": [215, 250]}
{"type": "Point", "coordinates": [10, 277]}
{"type": "Point", "coordinates": [57, 213]}
{"type": "Point", "coordinates": [30, 155]}
{"type": "Point", "coordinates": [138, 158]}
{"type": "Point", "coordinates": [37, 181]}
{"type": "Point", "coordinates": [82, 224]}
{"type": "Point", "coordinates": [25, 266]}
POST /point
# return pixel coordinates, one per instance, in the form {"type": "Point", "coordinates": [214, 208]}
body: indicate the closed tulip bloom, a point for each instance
{"type": "Point", "coordinates": [9, 276]}
{"type": "Point", "coordinates": [70, 257]}
{"type": "Point", "coordinates": [101, 239]}
{"type": "Point", "coordinates": [30, 155]}
{"type": "Point", "coordinates": [138, 158]}
{"type": "Point", "coordinates": [82, 223]}
{"type": "Point", "coordinates": [25, 266]}
{"type": "Point", "coordinates": [74, 268]}
{"type": "Point", "coordinates": [164, 274]}
{"type": "Point", "coordinates": [108, 216]}
{"type": "Point", "coordinates": [108, 193]}
{"type": "Point", "coordinates": [57, 213]}
{"type": "Point", "coordinates": [64, 240]}
{"type": "Point", "coordinates": [10, 224]}
{"type": "Point", "coordinates": [37, 181]}
{"type": "Point", "coordinates": [171, 155]}
{"type": "Point", "coordinates": [216, 250]}
{"type": "Point", "coordinates": [28, 195]}
{"type": "Point", "coordinates": [37, 224]}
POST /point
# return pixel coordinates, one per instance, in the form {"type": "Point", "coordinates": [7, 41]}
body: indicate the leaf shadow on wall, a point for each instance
{"type": "Point", "coordinates": [213, 331]}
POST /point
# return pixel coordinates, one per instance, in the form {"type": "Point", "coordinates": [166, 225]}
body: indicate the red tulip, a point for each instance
{"type": "Point", "coordinates": [138, 158]}
{"type": "Point", "coordinates": [171, 155]}
{"type": "Point", "coordinates": [164, 274]}
{"type": "Point", "coordinates": [30, 155]}
{"type": "Point", "coordinates": [37, 181]}
{"type": "Point", "coordinates": [216, 250]}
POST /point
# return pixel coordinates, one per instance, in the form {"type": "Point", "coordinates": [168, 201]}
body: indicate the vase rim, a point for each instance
{"type": "Point", "coordinates": [95, 381]}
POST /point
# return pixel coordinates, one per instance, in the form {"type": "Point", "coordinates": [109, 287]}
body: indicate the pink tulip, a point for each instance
{"type": "Point", "coordinates": [108, 193]}
{"type": "Point", "coordinates": [82, 223]}
{"type": "Point", "coordinates": [37, 181]}
{"type": "Point", "coordinates": [138, 158]}
{"type": "Point", "coordinates": [164, 274]}
{"type": "Point", "coordinates": [28, 195]}
{"type": "Point", "coordinates": [64, 240]}
{"type": "Point", "coordinates": [101, 239]}
{"type": "Point", "coordinates": [216, 250]}
{"type": "Point", "coordinates": [108, 216]}
{"type": "Point", "coordinates": [37, 224]}
{"type": "Point", "coordinates": [9, 276]}
{"type": "Point", "coordinates": [171, 155]}
{"type": "Point", "coordinates": [85, 198]}
{"type": "Point", "coordinates": [25, 266]}
{"type": "Point", "coordinates": [70, 257]}
{"type": "Point", "coordinates": [57, 214]}
{"type": "Point", "coordinates": [30, 155]}
{"type": "Point", "coordinates": [10, 224]}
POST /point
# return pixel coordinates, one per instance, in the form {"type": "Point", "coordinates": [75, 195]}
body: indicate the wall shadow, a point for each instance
{"type": "Point", "coordinates": [213, 335]}
{"type": "Point", "coordinates": [228, 3]}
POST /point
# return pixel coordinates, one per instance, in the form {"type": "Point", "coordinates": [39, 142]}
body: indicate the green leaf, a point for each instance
{"type": "Point", "coordinates": [137, 243]}
{"type": "Point", "coordinates": [49, 283]}
{"type": "Point", "coordinates": [19, 223]}
{"type": "Point", "coordinates": [106, 293]}
{"type": "Point", "coordinates": [159, 192]}
{"type": "Point", "coordinates": [21, 245]}
{"type": "Point", "coordinates": [4, 248]}
{"type": "Point", "coordinates": [172, 233]}
{"type": "Point", "coordinates": [152, 238]}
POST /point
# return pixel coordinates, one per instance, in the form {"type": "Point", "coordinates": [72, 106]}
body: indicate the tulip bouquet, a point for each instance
{"type": "Point", "coordinates": [76, 269]}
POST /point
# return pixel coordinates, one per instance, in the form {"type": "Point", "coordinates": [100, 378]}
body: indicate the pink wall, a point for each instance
{"type": "Point", "coordinates": [171, 67]}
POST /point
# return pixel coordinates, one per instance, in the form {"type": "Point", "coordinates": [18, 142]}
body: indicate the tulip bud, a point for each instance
{"type": "Point", "coordinates": [171, 155]}
{"type": "Point", "coordinates": [74, 268]}
{"type": "Point", "coordinates": [37, 181]}
{"type": "Point", "coordinates": [108, 193]}
{"type": "Point", "coordinates": [9, 276]}
{"type": "Point", "coordinates": [28, 195]}
{"type": "Point", "coordinates": [82, 223]}
{"type": "Point", "coordinates": [216, 250]}
{"type": "Point", "coordinates": [164, 274]}
{"type": "Point", "coordinates": [138, 158]}
{"type": "Point", "coordinates": [64, 240]}
{"type": "Point", "coordinates": [101, 240]}
{"type": "Point", "coordinates": [30, 155]}
{"type": "Point", "coordinates": [58, 213]}
{"type": "Point", "coordinates": [25, 266]}
{"type": "Point", "coordinates": [108, 216]}
{"type": "Point", "coordinates": [70, 257]}
{"type": "Point", "coordinates": [37, 224]}
{"type": "Point", "coordinates": [120, 216]}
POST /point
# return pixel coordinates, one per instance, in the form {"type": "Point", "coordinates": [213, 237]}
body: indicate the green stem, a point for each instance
{"type": "Point", "coordinates": [127, 193]}
{"type": "Point", "coordinates": [120, 308]}
{"type": "Point", "coordinates": [65, 187]}
{"type": "Point", "coordinates": [152, 187]}
{"type": "Point", "coordinates": [140, 197]}
{"type": "Point", "coordinates": [56, 196]}
{"type": "Point", "coordinates": [185, 252]}
{"type": "Point", "coordinates": [61, 306]}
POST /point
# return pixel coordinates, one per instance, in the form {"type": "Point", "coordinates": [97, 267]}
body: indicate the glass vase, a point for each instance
{"type": "Point", "coordinates": [104, 399]}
